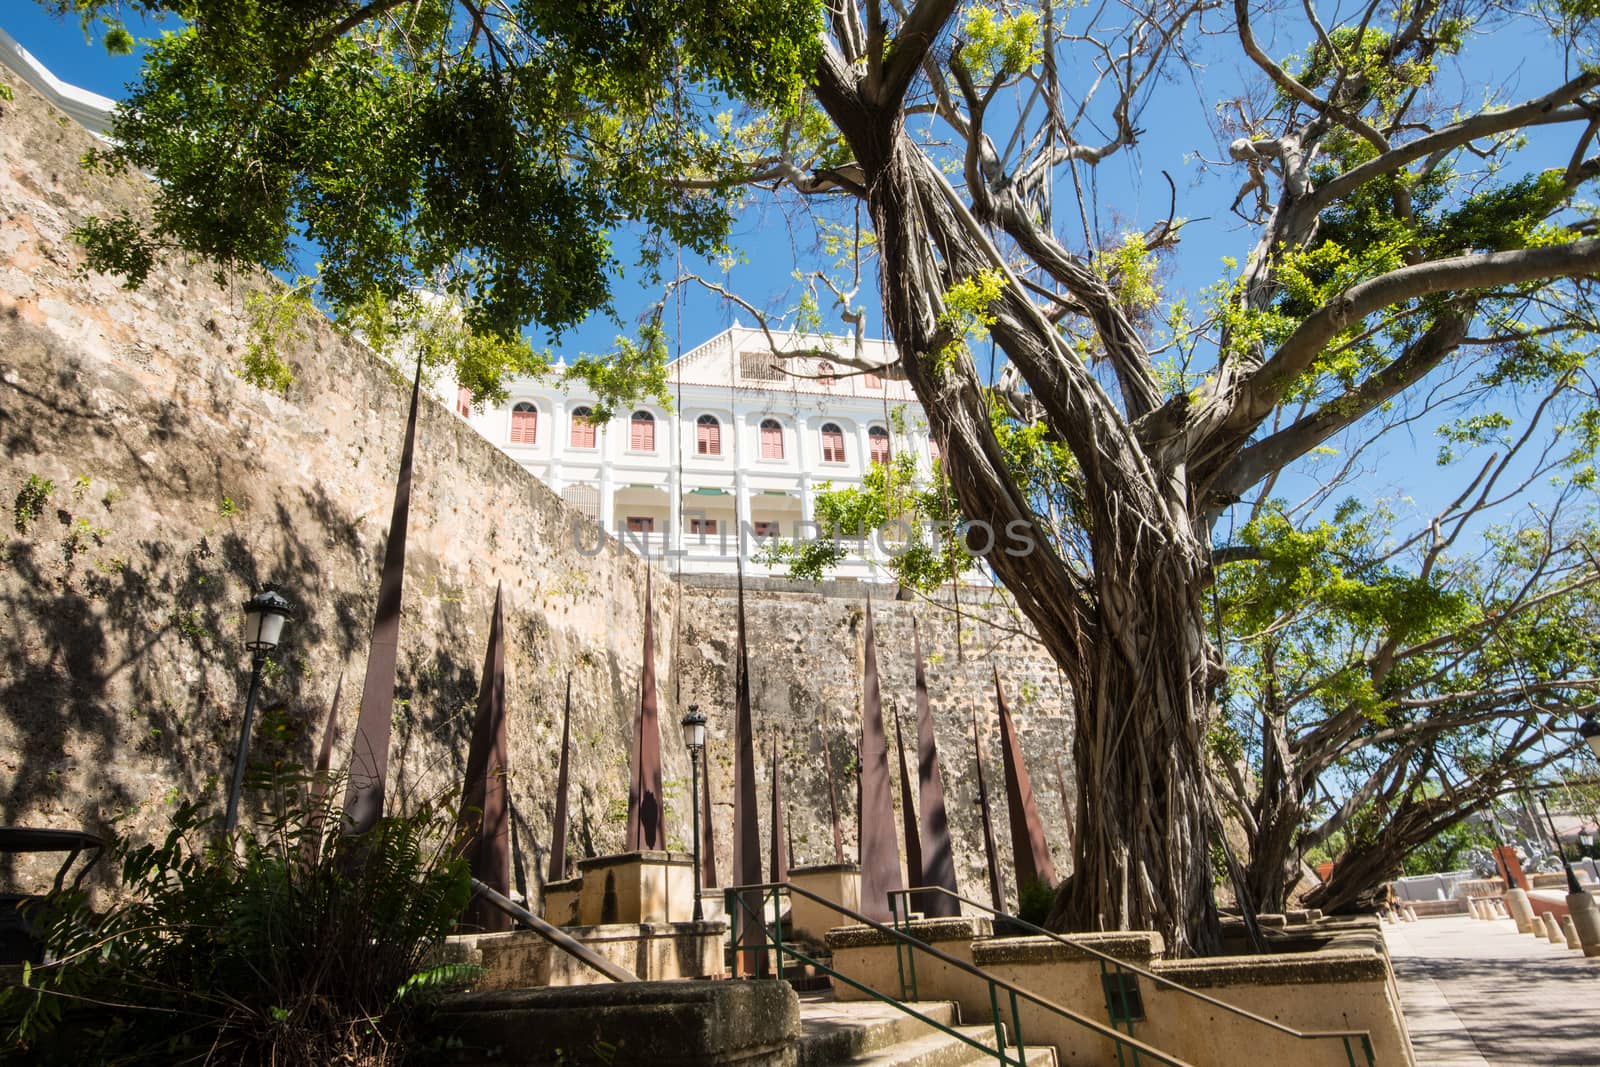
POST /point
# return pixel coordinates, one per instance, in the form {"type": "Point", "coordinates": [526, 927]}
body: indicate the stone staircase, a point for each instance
{"type": "Point", "coordinates": [868, 1033]}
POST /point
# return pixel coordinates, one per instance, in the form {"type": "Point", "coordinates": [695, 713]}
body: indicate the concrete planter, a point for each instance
{"type": "Point", "coordinates": [561, 901]}
{"type": "Point", "coordinates": [1339, 988]}
{"type": "Point", "coordinates": [636, 887]}
{"type": "Point", "coordinates": [522, 959]}
{"type": "Point", "coordinates": [1346, 984]}
{"type": "Point", "coordinates": [838, 882]}
{"type": "Point", "coordinates": [663, 1024]}
{"type": "Point", "coordinates": [870, 958]}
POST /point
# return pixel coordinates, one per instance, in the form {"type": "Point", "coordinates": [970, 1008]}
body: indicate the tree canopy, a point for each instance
{"type": "Point", "coordinates": [1409, 242]}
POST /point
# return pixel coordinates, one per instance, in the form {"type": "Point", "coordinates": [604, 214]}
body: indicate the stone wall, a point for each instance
{"type": "Point", "coordinates": [805, 650]}
{"type": "Point", "coordinates": [175, 489]}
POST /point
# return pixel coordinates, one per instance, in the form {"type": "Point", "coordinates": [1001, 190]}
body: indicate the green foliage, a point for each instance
{"type": "Point", "coordinates": [913, 520]}
{"type": "Point", "coordinates": [415, 326]}
{"type": "Point", "coordinates": [966, 316]}
{"type": "Point", "coordinates": [118, 246]}
{"type": "Point", "coordinates": [1449, 850]}
{"type": "Point", "coordinates": [416, 148]}
{"type": "Point", "coordinates": [30, 501]}
{"type": "Point", "coordinates": [634, 369]}
{"type": "Point", "coordinates": [999, 45]}
{"type": "Point", "coordinates": [1131, 269]}
{"type": "Point", "coordinates": [298, 947]}
{"type": "Point", "coordinates": [1034, 900]}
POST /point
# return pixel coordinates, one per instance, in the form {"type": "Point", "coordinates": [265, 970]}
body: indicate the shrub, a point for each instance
{"type": "Point", "coordinates": [1034, 900]}
{"type": "Point", "coordinates": [296, 947]}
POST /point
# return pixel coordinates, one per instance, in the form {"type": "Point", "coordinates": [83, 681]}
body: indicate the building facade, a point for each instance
{"type": "Point", "coordinates": [751, 441]}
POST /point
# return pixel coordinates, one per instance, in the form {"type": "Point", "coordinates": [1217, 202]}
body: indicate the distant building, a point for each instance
{"type": "Point", "coordinates": [751, 443]}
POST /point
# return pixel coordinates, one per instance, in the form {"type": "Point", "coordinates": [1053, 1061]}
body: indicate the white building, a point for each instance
{"type": "Point", "coordinates": [751, 442]}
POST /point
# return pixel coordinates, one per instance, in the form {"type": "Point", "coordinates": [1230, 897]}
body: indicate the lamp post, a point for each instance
{"type": "Point", "coordinates": [264, 616]}
{"type": "Point", "coordinates": [1501, 863]}
{"type": "Point", "coordinates": [1572, 878]}
{"type": "Point", "coordinates": [694, 737]}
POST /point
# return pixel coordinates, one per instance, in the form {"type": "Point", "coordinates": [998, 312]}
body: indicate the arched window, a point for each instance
{"type": "Point", "coordinates": [872, 380]}
{"type": "Point", "coordinates": [832, 443]}
{"type": "Point", "coordinates": [524, 424]}
{"type": "Point", "coordinates": [825, 374]}
{"type": "Point", "coordinates": [771, 439]}
{"type": "Point", "coordinates": [582, 428]}
{"type": "Point", "coordinates": [878, 443]}
{"type": "Point", "coordinates": [707, 436]}
{"type": "Point", "coordinates": [642, 432]}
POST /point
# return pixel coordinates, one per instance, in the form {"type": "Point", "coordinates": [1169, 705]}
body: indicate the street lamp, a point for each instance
{"type": "Point", "coordinates": [1589, 731]}
{"type": "Point", "coordinates": [694, 737]}
{"type": "Point", "coordinates": [1572, 878]}
{"type": "Point", "coordinates": [264, 616]}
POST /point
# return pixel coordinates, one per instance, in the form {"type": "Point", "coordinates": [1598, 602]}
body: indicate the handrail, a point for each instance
{"type": "Point", "coordinates": [735, 897]}
{"type": "Point", "coordinates": [554, 935]}
{"type": "Point", "coordinates": [1365, 1036]}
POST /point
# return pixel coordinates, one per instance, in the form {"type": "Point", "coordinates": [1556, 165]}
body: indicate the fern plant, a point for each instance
{"type": "Point", "coordinates": [293, 946]}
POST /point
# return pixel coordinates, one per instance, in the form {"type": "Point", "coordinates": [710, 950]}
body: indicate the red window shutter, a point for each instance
{"type": "Point", "coordinates": [825, 374]}
{"type": "Point", "coordinates": [771, 440]}
{"type": "Point", "coordinates": [879, 440]}
{"type": "Point", "coordinates": [832, 444]}
{"type": "Point", "coordinates": [871, 380]}
{"type": "Point", "coordinates": [464, 402]}
{"type": "Point", "coordinates": [642, 432]}
{"type": "Point", "coordinates": [524, 424]}
{"type": "Point", "coordinates": [583, 432]}
{"type": "Point", "coordinates": [641, 524]}
{"type": "Point", "coordinates": [708, 437]}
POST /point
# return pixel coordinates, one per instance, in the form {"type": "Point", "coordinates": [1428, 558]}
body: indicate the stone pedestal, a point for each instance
{"type": "Point", "coordinates": [1521, 910]}
{"type": "Point", "coordinates": [870, 957]}
{"type": "Point", "coordinates": [837, 882]}
{"type": "Point", "coordinates": [636, 887]}
{"type": "Point", "coordinates": [522, 959]}
{"type": "Point", "coordinates": [1552, 929]}
{"type": "Point", "coordinates": [1586, 917]}
{"type": "Point", "coordinates": [561, 902]}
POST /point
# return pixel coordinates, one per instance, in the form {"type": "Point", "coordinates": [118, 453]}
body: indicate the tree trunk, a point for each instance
{"type": "Point", "coordinates": [1141, 857]}
{"type": "Point", "coordinates": [1131, 637]}
{"type": "Point", "coordinates": [1273, 869]}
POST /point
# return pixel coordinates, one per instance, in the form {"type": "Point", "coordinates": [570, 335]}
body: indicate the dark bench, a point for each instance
{"type": "Point", "coordinates": [17, 941]}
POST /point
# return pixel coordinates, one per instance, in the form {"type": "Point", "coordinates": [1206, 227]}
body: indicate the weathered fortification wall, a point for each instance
{"type": "Point", "coordinates": [178, 489]}
{"type": "Point", "coordinates": [805, 673]}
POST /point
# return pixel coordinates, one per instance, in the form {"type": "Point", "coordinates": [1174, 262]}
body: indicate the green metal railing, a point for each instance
{"type": "Point", "coordinates": [752, 901]}
{"type": "Point", "coordinates": [1112, 968]}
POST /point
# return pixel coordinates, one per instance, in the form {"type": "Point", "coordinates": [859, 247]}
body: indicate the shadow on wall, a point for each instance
{"type": "Point", "coordinates": [122, 676]}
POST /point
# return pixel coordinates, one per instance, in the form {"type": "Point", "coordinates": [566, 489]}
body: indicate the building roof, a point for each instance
{"type": "Point", "coordinates": [740, 356]}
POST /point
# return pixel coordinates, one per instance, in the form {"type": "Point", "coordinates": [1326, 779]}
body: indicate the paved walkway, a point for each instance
{"type": "Point", "coordinates": [1478, 994]}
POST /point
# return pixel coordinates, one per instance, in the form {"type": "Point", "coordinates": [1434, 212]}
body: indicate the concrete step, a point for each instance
{"type": "Point", "coordinates": [936, 1049]}
{"type": "Point", "coordinates": [836, 1031]}
{"type": "Point", "coordinates": [871, 1034]}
